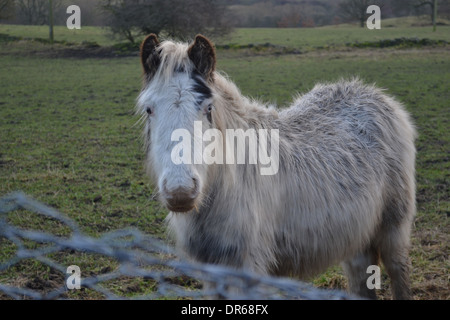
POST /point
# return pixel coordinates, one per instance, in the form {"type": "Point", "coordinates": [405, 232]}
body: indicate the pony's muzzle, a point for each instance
{"type": "Point", "coordinates": [180, 198]}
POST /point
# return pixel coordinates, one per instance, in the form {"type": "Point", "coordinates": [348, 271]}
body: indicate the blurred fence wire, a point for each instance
{"type": "Point", "coordinates": [137, 255]}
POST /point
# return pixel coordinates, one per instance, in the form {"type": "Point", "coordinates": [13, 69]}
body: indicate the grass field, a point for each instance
{"type": "Point", "coordinates": [61, 33]}
{"type": "Point", "coordinates": [303, 38]}
{"type": "Point", "coordinates": [68, 134]}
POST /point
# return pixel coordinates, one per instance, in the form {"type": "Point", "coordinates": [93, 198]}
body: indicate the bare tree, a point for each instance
{"type": "Point", "coordinates": [175, 18]}
{"type": "Point", "coordinates": [32, 11]}
{"type": "Point", "coordinates": [401, 7]}
{"type": "Point", "coordinates": [132, 18]}
{"type": "Point", "coordinates": [35, 12]}
{"type": "Point", "coordinates": [433, 5]}
{"type": "Point", "coordinates": [6, 9]}
{"type": "Point", "coordinates": [355, 10]}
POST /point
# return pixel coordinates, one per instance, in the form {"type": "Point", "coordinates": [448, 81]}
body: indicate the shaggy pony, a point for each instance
{"type": "Point", "coordinates": [344, 191]}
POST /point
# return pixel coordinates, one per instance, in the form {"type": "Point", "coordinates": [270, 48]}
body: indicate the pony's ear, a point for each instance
{"type": "Point", "coordinates": [203, 55]}
{"type": "Point", "coordinates": [149, 55]}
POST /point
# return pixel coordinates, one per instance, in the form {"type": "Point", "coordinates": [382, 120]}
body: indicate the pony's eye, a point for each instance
{"type": "Point", "coordinates": [208, 113]}
{"type": "Point", "coordinates": [149, 110]}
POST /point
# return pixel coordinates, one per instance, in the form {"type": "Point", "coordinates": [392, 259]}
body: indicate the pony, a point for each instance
{"type": "Point", "coordinates": [344, 191]}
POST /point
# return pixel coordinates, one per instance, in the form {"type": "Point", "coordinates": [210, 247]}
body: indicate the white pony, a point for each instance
{"type": "Point", "coordinates": [344, 191]}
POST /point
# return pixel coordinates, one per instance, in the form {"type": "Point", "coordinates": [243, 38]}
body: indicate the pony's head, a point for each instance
{"type": "Point", "coordinates": [176, 98]}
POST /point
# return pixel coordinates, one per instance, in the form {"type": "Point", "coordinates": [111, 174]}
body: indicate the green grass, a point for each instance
{"type": "Point", "coordinates": [68, 138]}
{"type": "Point", "coordinates": [71, 135]}
{"type": "Point", "coordinates": [61, 33]}
{"type": "Point", "coordinates": [304, 38]}
{"type": "Point", "coordinates": [338, 35]}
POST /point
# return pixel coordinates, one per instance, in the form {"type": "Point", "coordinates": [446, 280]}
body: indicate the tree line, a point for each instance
{"type": "Point", "coordinates": [130, 19]}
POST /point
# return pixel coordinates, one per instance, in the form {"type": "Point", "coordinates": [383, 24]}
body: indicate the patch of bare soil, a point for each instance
{"type": "Point", "coordinates": [79, 51]}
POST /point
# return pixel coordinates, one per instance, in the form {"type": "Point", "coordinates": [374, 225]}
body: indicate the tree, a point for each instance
{"type": "Point", "coordinates": [433, 5]}
{"type": "Point", "coordinates": [401, 8]}
{"type": "Point", "coordinates": [6, 9]}
{"type": "Point", "coordinates": [355, 10]}
{"type": "Point", "coordinates": [35, 12]}
{"type": "Point", "coordinates": [175, 18]}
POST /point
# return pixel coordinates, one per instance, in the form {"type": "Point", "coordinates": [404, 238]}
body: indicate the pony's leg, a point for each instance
{"type": "Point", "coordinates": [356, 272]}
{"type": "Point", "coordinates": [394, 252]}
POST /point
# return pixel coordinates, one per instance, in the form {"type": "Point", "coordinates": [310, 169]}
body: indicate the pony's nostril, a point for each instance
{"type": "Point", "coordinates": [195, 189]}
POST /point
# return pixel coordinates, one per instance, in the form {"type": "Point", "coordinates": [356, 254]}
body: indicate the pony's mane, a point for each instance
{"type": "Point", "coordinates": [233, 110]}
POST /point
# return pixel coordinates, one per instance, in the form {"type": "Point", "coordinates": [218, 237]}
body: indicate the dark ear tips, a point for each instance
{"type": "Point", "coordinates": [204, 41]}
{"type": "Point", "coordinates": [203, 55]}
{"type": "Point", "coordinates": [149, 55]}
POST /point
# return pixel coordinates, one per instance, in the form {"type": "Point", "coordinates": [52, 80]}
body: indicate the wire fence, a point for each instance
{"type": "Point", "coordinates": [136, 254]}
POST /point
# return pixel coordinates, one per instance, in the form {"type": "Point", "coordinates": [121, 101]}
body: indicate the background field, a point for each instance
{"type": "Point", "coordinates": [303, 38]}
{"type": "Point", "coordinates": [68, 135]}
